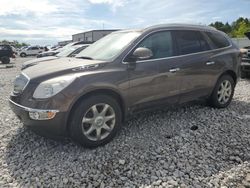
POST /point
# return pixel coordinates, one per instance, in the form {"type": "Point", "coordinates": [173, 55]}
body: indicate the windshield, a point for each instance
{"type": "Point", "coordinates": [67, 51]}
{"type": "Point", "coordinates": [110, 46]}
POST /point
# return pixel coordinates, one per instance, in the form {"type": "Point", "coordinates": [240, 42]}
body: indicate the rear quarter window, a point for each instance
{"type": "Point", "coordinates": [190, 42]}
{"type": "Point", "coordinates": [218, 40]}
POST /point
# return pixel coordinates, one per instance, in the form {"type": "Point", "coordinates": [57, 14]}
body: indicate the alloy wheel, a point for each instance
{"type": "Point", "coordinates": [98, 122]}
{"type": "Point", "coordinates": [224, 92]}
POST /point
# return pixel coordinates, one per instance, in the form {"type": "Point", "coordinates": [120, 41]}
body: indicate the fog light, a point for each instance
{"type": "Point", "coordinates": [42, 115]}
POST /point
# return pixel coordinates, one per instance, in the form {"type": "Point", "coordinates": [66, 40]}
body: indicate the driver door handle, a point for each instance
{"type": "Point", "coordinates": [210, 63]}
{"type": "Point", "coordinates": [174, 70]}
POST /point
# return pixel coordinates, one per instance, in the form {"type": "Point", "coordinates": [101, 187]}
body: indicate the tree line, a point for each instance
{"type": "Point", "coordinates": [14, 43]}
{"type": "Point", "coordinates": [237, 29]}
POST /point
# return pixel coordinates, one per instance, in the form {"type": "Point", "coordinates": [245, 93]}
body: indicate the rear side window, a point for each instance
{"type": "Point", "coordinates": [160, 44]}
{"type": "Point", "coordinates": [4, 47]}
{"type": "Point", "coordinates": [189, 42]}
{"type": "Point", "coordinates": [217, 40]}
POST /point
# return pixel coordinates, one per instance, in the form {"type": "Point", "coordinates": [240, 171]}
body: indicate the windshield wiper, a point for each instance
{"type": "Point", "coordinates": [85, 57]}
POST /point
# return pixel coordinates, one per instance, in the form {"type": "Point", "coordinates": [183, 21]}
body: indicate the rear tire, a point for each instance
{"type": "Point", "coordinates": [223, 92]}
{"type": "Point", "coordinates": [91, 125]}
{"type": "Point", "coordinates": [23, 55]}
{"type": "Point", "coordinates": [5, 60]}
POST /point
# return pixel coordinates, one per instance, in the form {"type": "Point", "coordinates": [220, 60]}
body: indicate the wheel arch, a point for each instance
{"type": "Point", "coordinates": [230, 73]}
{"type": "Point", "coordinates": [109, 92]}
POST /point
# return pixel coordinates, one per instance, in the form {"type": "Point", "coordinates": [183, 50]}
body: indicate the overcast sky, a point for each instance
{"type": "Point", "coordinates": [48, 21]}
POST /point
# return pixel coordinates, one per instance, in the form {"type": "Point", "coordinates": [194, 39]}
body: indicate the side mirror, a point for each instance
{"type": "Point", "coordinates": [142, 53]}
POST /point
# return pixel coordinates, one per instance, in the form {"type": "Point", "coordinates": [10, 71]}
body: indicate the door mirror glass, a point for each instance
{"type": "Point", "coordinates": [142, 53]}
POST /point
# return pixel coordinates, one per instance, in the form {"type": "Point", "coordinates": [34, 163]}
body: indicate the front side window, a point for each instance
{"type": "Point", "coordinates": [34, 48]}
{"type": "Point", "coordinates": [218, 40]}
{"type": "Point", "coordinates": [160, 44]}
{"type": "Point", "coordinates": [189, 42]}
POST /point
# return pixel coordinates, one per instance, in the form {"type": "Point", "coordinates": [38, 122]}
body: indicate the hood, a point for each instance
{"type": "Point", "coordinates": [36, 61]}
{"type": "Point", "coordinates": [60, 65]}
{"type": "Point", "coordinates": [247, 35]}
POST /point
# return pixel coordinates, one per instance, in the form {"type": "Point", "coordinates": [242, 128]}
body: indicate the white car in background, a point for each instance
{"type": "Point", "coordinates": [71, 51]}
{"type": "Point", "coordinates": [32, 50]}
{"type": "Point", "coordinates": [56, 50]}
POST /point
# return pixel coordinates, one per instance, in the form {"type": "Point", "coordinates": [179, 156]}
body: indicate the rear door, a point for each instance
{"type": "Point", "coordinates": [196, 69]}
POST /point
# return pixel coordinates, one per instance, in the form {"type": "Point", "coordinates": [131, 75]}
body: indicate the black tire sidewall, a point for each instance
{"type": "Point", "coordinates": [23, 55]}
{"type": "Point", "coordinates": [75, 124]}
{"type": "Point", "coordinates": [5, 60]}
{"type": "Point", "coordinates": [214, 97]}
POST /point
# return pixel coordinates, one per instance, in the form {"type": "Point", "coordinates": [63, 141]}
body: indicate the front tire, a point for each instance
{"type": "Point", "coordinates": [5, 60]}
{"type": "Point", "coordinates": [95, 121]}
{"type": "Point", "coordinates": [223, 92]}
{"type": "Point", "coordinates": [23, 55]}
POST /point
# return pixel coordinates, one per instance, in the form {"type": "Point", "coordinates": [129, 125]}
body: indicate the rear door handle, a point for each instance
{"type": "Point", "coordinates": [174, 70]}
{"type": "Point", "coordinates": [210, 63]}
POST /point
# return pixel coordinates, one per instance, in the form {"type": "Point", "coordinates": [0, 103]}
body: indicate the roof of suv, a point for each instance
{"type": "Point", "coordinates": [184, 26]}
{"type": "Point", "coordinates": [173, 26]}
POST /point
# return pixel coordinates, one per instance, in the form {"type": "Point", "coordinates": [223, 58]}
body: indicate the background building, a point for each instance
{"type": "Point", "coordinates": [91, 36]}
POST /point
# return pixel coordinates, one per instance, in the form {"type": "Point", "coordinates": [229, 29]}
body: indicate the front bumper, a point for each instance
{"type": "Point", "coordinates": [53, 127]}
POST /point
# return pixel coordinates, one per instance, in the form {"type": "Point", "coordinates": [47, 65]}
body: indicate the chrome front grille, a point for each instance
{"type": "Point", "coordinates": [20, 83]}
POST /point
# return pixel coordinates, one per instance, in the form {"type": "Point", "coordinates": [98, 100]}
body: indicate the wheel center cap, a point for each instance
{"type": "Point", "coordinates": [99, 121]}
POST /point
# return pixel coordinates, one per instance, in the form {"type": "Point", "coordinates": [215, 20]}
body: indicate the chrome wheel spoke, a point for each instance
{"type": "Point", "coordinates": [220, 98]}
{"type": "Point", "coordinates": [106, 127]}
{"type": "Point", "coordinates": [90, 130]}
{"type": "Point", "coordinates": [219, 92]}
{"type": "Point", "coordinates": [88, 120]}
{"type": "Point", "coordinates": [94, 110]}
{"type": "Point", "coordinates": [98, 121]}
{"type": "Point", "coordinates": [108, 118]}
{"type": "Point", "coordinates": [98, 134]}
{"type": "Point", "coordinates": [228, 94]}
{"type": "Point", "coordinates": [104, 110]}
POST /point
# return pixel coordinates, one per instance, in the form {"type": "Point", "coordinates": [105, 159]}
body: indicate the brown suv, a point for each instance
{"type": "Point", "coordinates": [88, 97]}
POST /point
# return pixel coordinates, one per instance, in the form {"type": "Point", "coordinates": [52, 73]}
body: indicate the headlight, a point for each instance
{"type": "Point", "coordinates": [53, 86]}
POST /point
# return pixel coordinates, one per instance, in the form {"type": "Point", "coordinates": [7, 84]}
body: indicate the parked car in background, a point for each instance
{"type": "Point", "coordinates": [59, 49]}
{"type": "Point", "coordinates": [51, 52]}
{"type": "Point", "coordinates": [245, 65]}
{"type": "Point", "coordinates": [32, 50]}
{"type": "Point", "coordinates": [68, 52]}
{"type": "Point", "coordinates": [6, 52]}
{"type": "Point", "coordinates": [88, 97]}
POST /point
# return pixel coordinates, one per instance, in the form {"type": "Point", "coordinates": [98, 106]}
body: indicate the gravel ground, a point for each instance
{"type": "Point", "coordinates": [190, 146]}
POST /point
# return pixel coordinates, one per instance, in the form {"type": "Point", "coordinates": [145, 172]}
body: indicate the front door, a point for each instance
{"type": "Point", "coordinates": [151, 83]}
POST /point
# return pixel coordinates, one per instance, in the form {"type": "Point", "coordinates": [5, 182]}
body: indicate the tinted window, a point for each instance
{"type": "Point", "coordinates": [4, 47]}
{"type": "Point", "coordinates": [189, 42]}
{"type": "Point", "coordinates": [35, 48]}
{"type": "Point", "coordinates": [217, 40]}
{"type": "Point", "coordinates": [160, 44]}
